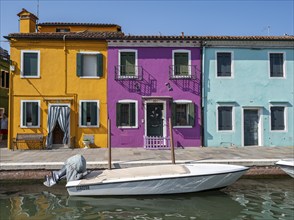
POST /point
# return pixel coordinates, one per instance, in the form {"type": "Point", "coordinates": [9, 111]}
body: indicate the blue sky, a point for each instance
{"type": "Point", "coordinates": [165, 17]}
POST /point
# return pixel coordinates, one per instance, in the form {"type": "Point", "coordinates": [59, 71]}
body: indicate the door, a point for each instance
{"type": "Point", "coordinates": [58, 134]}
{"type": "Point", "coordinates": [154, 120]}
{"type": "Point", "coordinates": [251, 127]}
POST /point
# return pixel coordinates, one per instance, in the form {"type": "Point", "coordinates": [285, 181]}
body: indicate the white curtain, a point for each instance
{"type": "Point", "coordinates": [60, 114]}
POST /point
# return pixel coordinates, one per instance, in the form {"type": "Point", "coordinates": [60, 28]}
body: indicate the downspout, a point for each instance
{"type": "Point", "coordinates": [65, 87]}
{"type": "Point", "coordinates": [10, 116]}
{"type": "Point", "coordinates": [203, 91]}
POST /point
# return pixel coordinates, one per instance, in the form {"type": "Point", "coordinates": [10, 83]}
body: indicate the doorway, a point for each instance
{"type": "Point", "coordinates": [251, 127]}
{"type": "Point", "coordinates": [154, 116]}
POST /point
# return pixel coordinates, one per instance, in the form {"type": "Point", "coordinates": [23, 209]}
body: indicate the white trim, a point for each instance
{"type": "Point", "coordinates": [260, 124]}
{"type": "Point", "coordinates": [22, 65]}
{"type": "Point", "coordinates": [189, 62]}
{"type": "Point", "coordinates": [60, 104]}
{"type": "Point", "coordinates": [232, 64]}
{"type": "Point", "coordinates": [164, 122]}
{"type": "Point", "coordinates": [128, 101]}
{"type": "Point", "coordinates": [98, 114]}
{"type": "Point", "coordinates": [233, 118]}
{"type": "Point", "coordinates": [285, 118]}
{"type": "Point", "coordinates": [269, 65]}
{"type": "Point", "coordinates": [90, 53]}
{"type": "Point", "coordinates": [183, 101]}
{"type": "Point", "coordinates": [21, 113]}
{"type": "Point", "coordinates": [136, 63]}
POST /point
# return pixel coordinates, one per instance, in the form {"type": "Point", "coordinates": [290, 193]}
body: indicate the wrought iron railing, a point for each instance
{"type": "Point", "coordinates": [156, 142]}
{"type": "Point", "coordinates": [128, 72]}
{"type": "Point", "coordinates": [182, 72]}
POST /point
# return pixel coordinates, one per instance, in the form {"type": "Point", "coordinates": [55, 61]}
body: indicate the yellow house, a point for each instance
{"type": "Point", "coordinates": [59, 81]}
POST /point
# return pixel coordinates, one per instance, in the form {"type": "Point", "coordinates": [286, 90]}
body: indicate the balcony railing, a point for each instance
{"type": "Point", "coordinates": [182, 72]}
{"type": "Point", "coordinates": [156, 142]}
{"type": "Point", "coordinates": [128, 72]}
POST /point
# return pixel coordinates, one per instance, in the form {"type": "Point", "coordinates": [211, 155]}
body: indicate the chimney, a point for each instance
{"type": "Point", "coordinates": [183, 35]}
{"type": "Point", "coordinates": [27, 21]}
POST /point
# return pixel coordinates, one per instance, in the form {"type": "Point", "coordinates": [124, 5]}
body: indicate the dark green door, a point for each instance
{"type": "Point", "coordinates": [251, 119]}
{"type": "Point", "coordinates": [154, 120]}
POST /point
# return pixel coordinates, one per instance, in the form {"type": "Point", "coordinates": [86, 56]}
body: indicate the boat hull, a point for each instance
{"type": "Point", "coordinates": [287, 166]}
{"type": "Point", "coordinates": [155, 185]}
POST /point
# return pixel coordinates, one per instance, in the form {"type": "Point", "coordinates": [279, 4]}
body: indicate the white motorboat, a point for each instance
{"type": "Point", "coordinates": [152, 180]}
{"type": "Point", "coordinates": [287, 165]}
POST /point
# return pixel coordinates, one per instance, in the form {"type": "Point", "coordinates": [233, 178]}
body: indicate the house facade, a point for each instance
{"type": "Point", "coordinates": [4, 81]}
{"type": "Point", "coordinates": [151, 81]}
{"type": "Point", "coordinates": [59, 81]}
{"type": "Point", "coordinates": [248, 91]}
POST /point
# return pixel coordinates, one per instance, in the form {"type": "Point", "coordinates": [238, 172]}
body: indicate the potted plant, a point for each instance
{"type": "Point", "coordinates": [87, 143]}
{"type": "Point", "coordinates": [29, 121]}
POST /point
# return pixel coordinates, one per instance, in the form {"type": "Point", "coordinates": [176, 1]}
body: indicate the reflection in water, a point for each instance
{"type": "Point", "coordinates": [247, 199]}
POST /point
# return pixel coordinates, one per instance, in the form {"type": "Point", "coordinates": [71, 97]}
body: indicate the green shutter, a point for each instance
{"type": "Point", "coordinates": [79, 64]}
{"type": "Point", "coordinates": [35, 113]}
{"type": "Point", "coordinates": [99, 65]}
{"type": "Point", "coordinates": [118, 105]}
{"type": "Point", "coordinates": [173, 114]}
{"type": "Point", "coordinates": [191, 114]}
{"type": "Point", "coordinates": [24, 114]}
{"type": "Point", "coordinates": [132, 114]}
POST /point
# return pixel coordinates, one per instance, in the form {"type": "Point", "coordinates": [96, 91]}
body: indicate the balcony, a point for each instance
{"type": "Point", "coordinates": [182, 72]}
{"type": "Point", "coordinates": [129, 72]}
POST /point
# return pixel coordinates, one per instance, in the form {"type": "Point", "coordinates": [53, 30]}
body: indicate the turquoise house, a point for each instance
{"type": "Point", "coordinates": [248, 94]}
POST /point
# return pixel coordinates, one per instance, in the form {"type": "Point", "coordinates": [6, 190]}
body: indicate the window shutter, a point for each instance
{"type": "Point", "coordinates": [35, 113]}
{"type": "Point", "coordinates": [99, 65]}
{"type": "Point", "coordinates": [24, 114]}
{"type": "Point", "coordinates": [93, 113]}
{"type": "Point", "coordinates": [118, 105]}
{"type": "Point", "coordinates": [79, 64]}
{"type": "Point", "coordinates": [173, 114]}
{"type": "Point", "coordinates": [132, 114]}
{"type": "Point", "coordinates": [191, 114]}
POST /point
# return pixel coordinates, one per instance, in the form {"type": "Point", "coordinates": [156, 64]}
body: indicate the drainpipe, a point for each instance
{"type": "Point", "coordinates": [65, 86]}
{"type": "Point", "coordinates": [10, 116]}
{"type": "Point", "coordinates": [203, 91]}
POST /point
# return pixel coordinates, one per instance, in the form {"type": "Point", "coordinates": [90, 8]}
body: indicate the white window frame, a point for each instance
{"type": "Point", "coordinates": [21, 114]}
{"type": "Point", "coordinates": [232, 65]}
{"type": "Point", "coordinates": [5, 83]}
{"type": "Point", "coordinates": [285, 118]}
{"type": "Point", "coordinates": [22, 64]}
{"type": "Point", "coordinates": [183, 101]}
{"type": "Point", "coordinates": [189, 62]}
{"type": "Point", "coordinates": [284, 65]}
{"type": "Point", "coordinates": [90, 53]}
{"type": "Point", "coordinates": [127, 101]}
{"type": "Point", "coordinates": [98, 114]}
{"type": "Point", "coordinates": [136, 64]}
{"type": "Point", "coordinates": [233, 118]}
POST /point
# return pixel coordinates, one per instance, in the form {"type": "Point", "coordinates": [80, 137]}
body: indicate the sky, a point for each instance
{"type": "Point", "coordinates": [161, 17]}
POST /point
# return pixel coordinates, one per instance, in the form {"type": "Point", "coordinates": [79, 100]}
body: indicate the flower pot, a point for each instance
{"type": "Point", "coordinates": [86, 143]}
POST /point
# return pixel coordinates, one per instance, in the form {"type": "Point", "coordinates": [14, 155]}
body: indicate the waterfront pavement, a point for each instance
{"type": "Point", "coordinates": [97, 158]}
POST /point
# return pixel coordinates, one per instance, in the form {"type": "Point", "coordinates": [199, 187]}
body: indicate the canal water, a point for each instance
{"type": "Point", "coordinates": [246, 199]}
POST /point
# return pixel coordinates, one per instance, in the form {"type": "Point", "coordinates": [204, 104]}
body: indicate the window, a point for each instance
{"type": "Point", "coordinates": [126, 114]}
{"type": "Point", "coordinates": [2, 79]}
{"type": "Point", "coordinates": [277, 118]}
{"type": "Point", "coordinates": [30, 64]}
{"type": "Point", "coordinates": [276, 65]}
{"type": "Point", "coordinates": [128, 64]}
{"type": "Point", "coordinates": [89, 65]}
{"type": "Point", "coordinates": [7, 80]}
{"type": "Point", "coordinates": [183, 113]}
{"type": "Point", "coordinates": [30, 113]}
{"type": "Point", "coordinates": [181, 63]}
{"type": "Point", "coordinates": [224, 64]}
{"type": "Point", "coordinates": [62, 30]}
{"type": "Point", "coordinates": [225, 118]}
{"type": "Point", "coordinates": [89, 113]}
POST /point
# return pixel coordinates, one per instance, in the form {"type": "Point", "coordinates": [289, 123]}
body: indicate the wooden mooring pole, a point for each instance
{"type": "Point", "coordinates": [109, 143]}
{"type": "Point", "coordinates": [172, 147]}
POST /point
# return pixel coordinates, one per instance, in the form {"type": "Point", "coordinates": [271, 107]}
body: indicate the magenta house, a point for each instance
{"type": "Point", "coordinates": [153, 80]}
